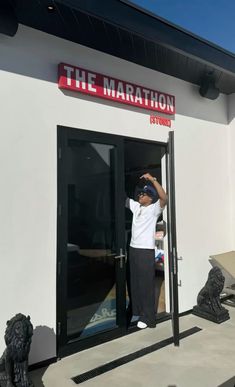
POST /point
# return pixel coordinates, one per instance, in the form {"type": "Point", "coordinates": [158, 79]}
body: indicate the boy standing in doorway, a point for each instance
{"type": "Point", "coordinates": [142, 249]}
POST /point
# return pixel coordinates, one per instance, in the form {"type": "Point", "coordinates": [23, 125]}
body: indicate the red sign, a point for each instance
{"type": "Point", "coordinates": [104, 86]}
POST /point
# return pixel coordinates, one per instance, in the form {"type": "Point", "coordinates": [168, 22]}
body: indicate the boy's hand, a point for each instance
{"type": "Point", "coordinates": [147, 176]}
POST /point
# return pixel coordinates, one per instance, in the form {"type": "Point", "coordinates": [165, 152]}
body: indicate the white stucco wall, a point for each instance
{"type": "Point", "coordinates": [32, 107]}
{"type": "Point", "coordinates": [231, 120]}
{"type": "Point", "coordinates": [203, 202]}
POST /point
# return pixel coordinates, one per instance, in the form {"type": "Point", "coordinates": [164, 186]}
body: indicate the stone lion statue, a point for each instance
{"type": "Point", "coordinates": [209, 296]}
{"type": "Point", "coordinates": [14, 361]}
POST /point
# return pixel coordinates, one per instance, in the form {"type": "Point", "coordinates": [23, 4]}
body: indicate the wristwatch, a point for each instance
{"type": "Point", "coordinates": [154, 178]}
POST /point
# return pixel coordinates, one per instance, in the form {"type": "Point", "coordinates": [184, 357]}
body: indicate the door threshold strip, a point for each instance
{"type": "Point", "coordinates": [132, 356]}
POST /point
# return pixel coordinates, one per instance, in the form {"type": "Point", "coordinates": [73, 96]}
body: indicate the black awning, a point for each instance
{"type": "Point", "coordinates": [125, 31]}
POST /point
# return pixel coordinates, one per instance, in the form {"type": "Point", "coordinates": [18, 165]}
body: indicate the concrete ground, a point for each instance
{"type": "Point", "coordinates": [204, 359]}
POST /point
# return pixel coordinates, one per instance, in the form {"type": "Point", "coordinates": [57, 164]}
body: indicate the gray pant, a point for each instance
{"type": "Point", "coordinates": [142, 281]}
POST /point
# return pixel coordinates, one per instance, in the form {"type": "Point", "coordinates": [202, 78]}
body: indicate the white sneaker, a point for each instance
{"type": "Point", "coordinates": [141, 325]}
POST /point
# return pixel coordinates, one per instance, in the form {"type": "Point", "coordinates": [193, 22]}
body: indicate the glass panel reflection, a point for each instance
{"type": "Point", "coordinates": [91, 292]}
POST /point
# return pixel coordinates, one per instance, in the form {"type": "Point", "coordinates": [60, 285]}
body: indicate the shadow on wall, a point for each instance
{"type": "Point", "coordinates": [43, 344]}
{"type": "Point", "coordinates": [231, 108]}
{"type": "Point", "coordinates": [21, 61]}
{"type": "Point", "coordinates": [195, 107]}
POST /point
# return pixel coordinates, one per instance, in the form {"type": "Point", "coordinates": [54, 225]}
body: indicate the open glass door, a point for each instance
{"type": "Point", "coordinates": [158, 160]}
{"type": "Point", "coordinates": [146, 157]}
{"type": "Point", "coordinates": [172, 241]}
{"type": "Point", "coordinates": [91, 247]}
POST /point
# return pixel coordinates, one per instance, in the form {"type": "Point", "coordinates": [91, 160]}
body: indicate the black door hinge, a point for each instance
{"type": "Point", "coordinates": [59, 328]}
{"type": "Point", "coordinates": [59, 268]}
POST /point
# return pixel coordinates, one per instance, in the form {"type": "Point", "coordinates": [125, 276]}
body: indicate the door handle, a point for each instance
{"type": "Point", "coordinates": [120, 256]}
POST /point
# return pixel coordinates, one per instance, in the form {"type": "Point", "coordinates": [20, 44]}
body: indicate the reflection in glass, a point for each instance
{"type": "Point", "coordinates": [91, 292]}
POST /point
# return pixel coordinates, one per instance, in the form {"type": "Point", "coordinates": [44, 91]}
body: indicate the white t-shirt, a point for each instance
{"type": "Point", "coordinates": [144, 224]}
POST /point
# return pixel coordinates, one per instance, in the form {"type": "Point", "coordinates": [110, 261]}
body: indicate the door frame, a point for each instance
{"type": "Point", "coordinates": [172, 239]}
{"type": "Point", "coordinates": [65, 348]}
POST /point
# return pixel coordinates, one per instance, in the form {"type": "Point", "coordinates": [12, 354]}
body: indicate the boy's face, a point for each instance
{"type": "Point", "coordinates": [144, 199]}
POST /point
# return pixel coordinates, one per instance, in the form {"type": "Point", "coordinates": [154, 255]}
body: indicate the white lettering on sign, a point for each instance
{"type": "Point", "coordinates": [91, 82]}
{"type": "Point", "coordinates": [103, 86]}
{"type": "Point", "coordinates": [69, 71]}
{"type": "Point", "coordinates": [129, 92]}
{"type": "Point", "coordinates": [120, 91]}
{"type": "Point", "coordinates": [109, 87]}
{"type": "Point", "coordinates": [138, 96]}
{"type": "Point", "coordinates": [81, 79]}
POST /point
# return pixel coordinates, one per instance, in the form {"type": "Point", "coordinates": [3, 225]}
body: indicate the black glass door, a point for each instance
{"type": "Point", "coordinates": [94, 172]}
{"type": "Point", "coordinates": [92, 246]}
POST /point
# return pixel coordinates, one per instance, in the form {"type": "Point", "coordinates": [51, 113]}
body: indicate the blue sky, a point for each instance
{"type": "Point", "coordinates": [214, 20]}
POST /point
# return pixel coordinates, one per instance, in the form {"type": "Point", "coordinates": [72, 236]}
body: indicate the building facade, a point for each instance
{"type": "Point", "coordinates": [34, 107]}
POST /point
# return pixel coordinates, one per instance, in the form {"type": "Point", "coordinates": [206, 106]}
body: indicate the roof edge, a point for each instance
{"type": "Point", "coordinates": [177, 27]}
